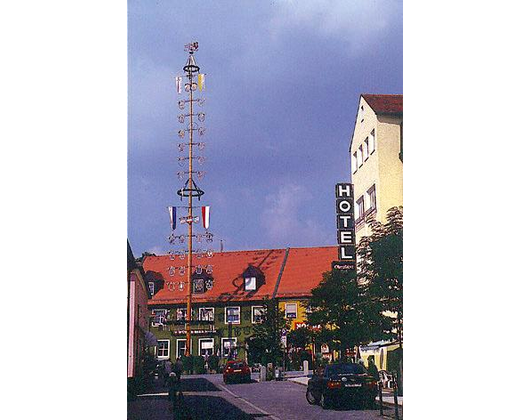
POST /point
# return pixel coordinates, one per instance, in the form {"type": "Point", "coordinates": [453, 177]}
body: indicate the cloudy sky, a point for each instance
{"type": "Point", "coordinates": [283, 80]}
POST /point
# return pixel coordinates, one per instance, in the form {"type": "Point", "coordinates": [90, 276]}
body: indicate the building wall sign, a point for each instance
{"type": "Point", "coordinates": [345, 221]}
{"type": "Point", "coordinates": [196, 331]}
{"type": "Point", "coordinates": [339, 265]}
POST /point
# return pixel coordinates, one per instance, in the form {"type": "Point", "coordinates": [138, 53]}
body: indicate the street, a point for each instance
{"type": "Point", "coordinates": [207, 397]}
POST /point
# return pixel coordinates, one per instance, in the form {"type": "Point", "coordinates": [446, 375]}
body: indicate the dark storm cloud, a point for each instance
{"type": "Point", "coordinates": [283, 80]}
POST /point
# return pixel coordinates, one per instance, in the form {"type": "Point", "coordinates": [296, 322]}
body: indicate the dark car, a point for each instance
{"type": "Point", "coordinates": [341, 383]}
{"type": "Point", "coordinates": [236, 370]}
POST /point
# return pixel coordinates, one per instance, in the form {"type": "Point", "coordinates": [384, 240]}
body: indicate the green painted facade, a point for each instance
{"type": "Point", "coordinates": [220, 329]}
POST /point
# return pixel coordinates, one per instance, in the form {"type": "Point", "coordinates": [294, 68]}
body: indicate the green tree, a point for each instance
{"type": "Point", "coordinates": [299, 338]}
{"type": "Point", "coordinates": [265, 344]}
{"type": "Point", "coordinates": [341, 307]}
{"type": "Point", "coordinates": [381, 268]}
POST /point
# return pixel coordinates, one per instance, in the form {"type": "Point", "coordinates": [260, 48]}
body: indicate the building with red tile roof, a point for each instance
{"type": "Point", "coordinates": [228, 283]}
{"type": "Point", "coordinates": [227, 302]}
{"type": "Point", "coordinates": [385, 104]}
{"type": "Point", "coordinates": [303, 270]}
{"type": "Point", "coordinates": [376, 156]}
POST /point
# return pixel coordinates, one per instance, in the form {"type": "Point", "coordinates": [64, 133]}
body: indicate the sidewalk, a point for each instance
{"type": "Point", "coordinates": [388, 397]}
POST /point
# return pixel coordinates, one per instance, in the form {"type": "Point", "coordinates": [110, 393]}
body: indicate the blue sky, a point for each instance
{"type": "Point", "coordinates": [283, 80]}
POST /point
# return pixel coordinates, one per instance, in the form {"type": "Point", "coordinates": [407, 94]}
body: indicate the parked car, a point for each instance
{"type": "Point", "coordinates": [236, 370]}
{"type": "Point", "coordinates": [341, 383]}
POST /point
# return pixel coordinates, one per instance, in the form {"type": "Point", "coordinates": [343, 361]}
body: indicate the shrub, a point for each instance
{"type": "Point", "coordinates": [213, 362]}
{"type": "Point", "coordinates": [198, 364]}
{"type": "Point", "coordinates": [187, 363]}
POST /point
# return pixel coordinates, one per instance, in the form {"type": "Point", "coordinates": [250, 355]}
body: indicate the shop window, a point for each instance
{"type": "Point", "coordinates": [206, 347]}
{"type": "Point", "coordinates": [229, 347]}
{"type": "Point", "coordinates": [181, 347]}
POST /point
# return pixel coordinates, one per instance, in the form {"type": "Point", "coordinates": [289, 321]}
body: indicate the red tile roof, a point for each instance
{"type": "Point", "coordinates": [385, 104]}
{"type": "Point", "coordinates": [228, 268]}
{"type": "Point", "coordinates": [302, 272]}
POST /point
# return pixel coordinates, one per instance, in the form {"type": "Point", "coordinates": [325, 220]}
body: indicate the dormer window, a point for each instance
{"type": "Point", "coordinates": [198, 285]}
{"type": "Point", "coordinates": [201, 283]}
{"type": "Point", "coordinates": [253, 278]}
{"type": "Point", "coordinates": [250, 283]}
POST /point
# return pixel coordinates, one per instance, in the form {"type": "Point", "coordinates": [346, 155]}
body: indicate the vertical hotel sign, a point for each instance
{"type": "Point", "coordinates": [345, 222]}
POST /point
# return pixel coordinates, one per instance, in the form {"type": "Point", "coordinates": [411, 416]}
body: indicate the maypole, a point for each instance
{"type": "Point", "coordinates": [195, 280]}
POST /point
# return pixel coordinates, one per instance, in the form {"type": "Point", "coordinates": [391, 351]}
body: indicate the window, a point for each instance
{"type": "Point", "coordinates": [250, 283]}
{"type": "Point", "coordinates": [181, 347]}
{"type": "Point", "coordinates": [180, 314]}
{"type": "Point", "coordinates": [232, 315]}
{"type": "Point", "coordinates": [359, 209]}
{"type": "Point", "coordinates": [151, 285]}
{"type": "Point", "coordinates": [371, 198]}
{"type": "Point", "coordinates": [205, 347]}
{"type": "Point", "coordinates": [206, 314]}
{"type": "Point", "coordinates": [229, 346]}
{"type": "Point", "coordinates": [290, 310]}
{"type": "Point", "coordinates": [354, 163]}
{"type": "Point", "coordinates": [360, 156]}
{"type": "Point", "coordinates": [258, 312]}
{"type": "Point", "coordinates": [371, 142]}
{"type": "Point", "coordinates": [159, 317]}
{"type": "Point", "coordinates": [365, 149]}
{"type": "Point", "coordinates": [361, 113]}
{"type": "Point", "coordinates": [198, 285]}
{"type": "Point", "coordinates": [162, 349]}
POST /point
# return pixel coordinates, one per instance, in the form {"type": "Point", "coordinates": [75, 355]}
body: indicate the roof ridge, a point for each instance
{"type": "Point", "coordinates": [280, 273]}
{"type": "Point", "coordinates": [382, 94]}
{"type": "Point", "coordinates": [257, 250]}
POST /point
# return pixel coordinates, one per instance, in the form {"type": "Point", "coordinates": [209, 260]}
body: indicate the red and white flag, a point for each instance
{"type": "Point", "coordinates": [206, 217]}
